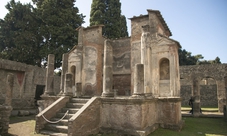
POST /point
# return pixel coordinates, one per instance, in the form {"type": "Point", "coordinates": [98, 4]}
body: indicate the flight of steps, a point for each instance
{"type": "Point", "coordinates": [61, 128]}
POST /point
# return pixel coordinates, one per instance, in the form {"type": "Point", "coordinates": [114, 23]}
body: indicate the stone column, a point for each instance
{"type": "Point", "coordinates": [196, 96]}
{"type": "Point", "coordinates": [139, 80]}
{"type": "Point", "coordinates": [9, 91]}
{"type": "Point", "coordinates": [145, 58]}
{"type": "Point", "coordinates": [78, 89]}
{"type": "Point", "coordinates": [49, 89]}
{"type": "Point", "coordinates": [107, 70]}
{"type": "Point", "coordinates": [221, 94]}
{"type": "Point", "coordinates": [63, 72]}
{"type": "Point", "coordinates": [68, 84]}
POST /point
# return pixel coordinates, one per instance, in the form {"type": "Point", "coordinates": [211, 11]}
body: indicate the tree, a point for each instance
{"type": "Point", "coordinates": [123, 27]}
{"type": "Point", "coordinates": [59, 20]}
{"type": "Point", "coordinates": [185, 58]}
{"type": "Point", "coordinates": [108, 13]}
{"type": "Point", "coordinates": [19, 34]}
{"type": "Point", "coordinates": [29, 34]}
{"type": "Point", "coordinates": [97, 15]}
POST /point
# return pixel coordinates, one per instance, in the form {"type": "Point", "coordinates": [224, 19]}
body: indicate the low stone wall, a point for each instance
{"type": "Point", "coordinates": [87, 120]}
{"type": "Point", "coordinates": [50, 111]}
{"type": "Point", "coordinates": [27, 78]}
{"type": "Point", "coordinates": [4, 119]}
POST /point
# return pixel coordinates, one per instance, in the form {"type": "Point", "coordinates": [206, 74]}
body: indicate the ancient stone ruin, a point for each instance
{"type": "Point", "coordinates": [207, 83]}
{"type": "Point", "coordinates": [6, 107]}
{"type": "Point", "coordinates": [128, 85]}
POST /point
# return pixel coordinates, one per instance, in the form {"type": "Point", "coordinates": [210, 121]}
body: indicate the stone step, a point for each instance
{"type": "Point", "coordinates": [51, 133]}
{"type": "Point", "coordinates": [56, 128]}
{"type": "Point", "coordinates": [79, 100]}
{"type": "Point", "coordinates": [74, 105]}
{"type": "Point", "coordinates": [61, 127]}
{"type": "Point", "coordinates": [71, 110]}
{"type": "Point", "coordinates": [63, 122]}
{"type": "Point", "coordinates": [61, 114]}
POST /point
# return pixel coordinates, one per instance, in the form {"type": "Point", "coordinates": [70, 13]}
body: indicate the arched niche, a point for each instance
{"type": "Point", "coordinates": [164, 70]}
{"type": "Point", "coordinates": [73, 71]}
{"type": "Point", "coordinates": [164, 78]}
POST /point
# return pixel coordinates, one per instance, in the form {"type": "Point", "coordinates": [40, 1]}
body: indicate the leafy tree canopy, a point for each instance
{"type": "Point", "coordinates": [185, 58]}
{"type": "Point", "coordinates": [29, 34]}
{"type": "Point", "coordinates": [108, 13]}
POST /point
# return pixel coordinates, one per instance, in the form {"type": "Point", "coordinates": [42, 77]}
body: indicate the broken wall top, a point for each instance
{"type": "Point", "coordinates": [154, 19]}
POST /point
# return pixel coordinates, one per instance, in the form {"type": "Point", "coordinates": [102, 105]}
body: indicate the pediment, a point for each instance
{"type": "Point", "coordinates": [165, 41]}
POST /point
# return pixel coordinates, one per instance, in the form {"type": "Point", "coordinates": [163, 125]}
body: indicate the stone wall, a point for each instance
{"type": "Point", "coordinates": [26, 80]}
{"type": "Point", "coordinates": [121, 66]}
{"type": "Point", "coordinates": [211, 83]}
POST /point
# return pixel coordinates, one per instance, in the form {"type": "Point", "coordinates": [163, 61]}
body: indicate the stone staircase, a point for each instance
{"type": "Point", "coordinates": [58, 126]}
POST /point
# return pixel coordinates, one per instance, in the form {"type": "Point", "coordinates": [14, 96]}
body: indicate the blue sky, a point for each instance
{"type": "Point", "coordinates": [199, 25]}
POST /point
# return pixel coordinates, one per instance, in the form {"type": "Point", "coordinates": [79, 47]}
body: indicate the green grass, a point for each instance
{"type": "Point", "coordinates": [209, 109]}
{"type": "Point", "coordinates": [193, 127]}
{"type": "Point", "coordinates": [197, 127]}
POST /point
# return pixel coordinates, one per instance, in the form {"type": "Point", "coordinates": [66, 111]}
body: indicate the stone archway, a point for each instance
{"type": "Point", "coordinates": [208, 92]}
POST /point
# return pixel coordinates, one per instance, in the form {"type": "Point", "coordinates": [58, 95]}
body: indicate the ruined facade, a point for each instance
{"type": "Point", "coordinates": [206, 82]}
{"type": "Point", "coordinates": [28, 84]}
{"type": "Point", "coordinates": [134, 82]}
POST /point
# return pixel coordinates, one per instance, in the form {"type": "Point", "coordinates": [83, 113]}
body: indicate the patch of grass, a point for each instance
{"type": "Point", "coordinates": [208, 109]}
{"type": "Point", "coordinates": [197, 126]}
{"type": "Point", "coordinates": [193, 127]}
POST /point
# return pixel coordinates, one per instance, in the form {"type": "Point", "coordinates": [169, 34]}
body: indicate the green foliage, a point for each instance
{"type": "Point", "coordinates": [59, 20]}
{"type": "Point", "coordinates": [20, 40]}
{"type": "Point", "coordinates": [108, 13]}
{"type": "Point", "coordinates": [197, 126]}
{"type": "Point", "coordinates": [29, 34]}
{"type": "Point", "coordinates": [192, 127]}
{"type": "Point", "coordinates": [185, 58]}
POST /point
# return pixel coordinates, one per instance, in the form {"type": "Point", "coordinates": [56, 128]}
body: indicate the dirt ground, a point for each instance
{"type": "Point", "coordinates": [22, 126]}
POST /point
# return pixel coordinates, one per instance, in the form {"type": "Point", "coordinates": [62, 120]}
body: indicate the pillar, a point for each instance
{"type": "Point", "coordinates": [63, 72]}
{"type": "Point", "coordinates": [108, 70]}
{"type": "Point", "coordinates": [196, 96]}
{"type": "Point", "coordinates": [49, 89]}
{"type": "Point", "coordinates": [68, 84]}
{"type": "Point", "coordinates": [78, 89]}
{"type": "Point", "coordinates": [145, 58]}
{"type": "Point", "coordinates": [221, 95]}
{"type": "Point", "coordinates": [9, 91]}
{"type": "Point", "coordinates": [138, 80]}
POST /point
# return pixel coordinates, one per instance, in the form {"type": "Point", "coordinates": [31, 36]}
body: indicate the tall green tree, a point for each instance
{"type": "Point", "coordinates": [20, 40]}
{"type": "Point", "coordinates": [60, 18]}
{"type": "Point", "coordinates": [108, 13]}
{"type": "Point", "coordinates": [29, 34]}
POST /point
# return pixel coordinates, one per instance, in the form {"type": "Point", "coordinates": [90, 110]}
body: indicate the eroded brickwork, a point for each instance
{"type": "Point", "coordinates": [26, 80]}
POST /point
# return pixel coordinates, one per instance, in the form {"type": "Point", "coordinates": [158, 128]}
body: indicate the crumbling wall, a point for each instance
{"type": "Point", "coordinates": [26, 80]}
{"type": "Point", "coordinates": [211, 94]}
{"type": "Point", "coordinates": [121, 66]}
